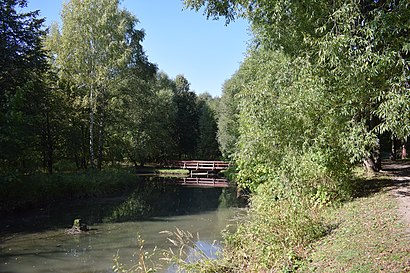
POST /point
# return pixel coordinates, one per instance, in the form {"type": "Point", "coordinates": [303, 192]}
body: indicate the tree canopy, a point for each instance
{"type": "Point", "coordinates": [84, 94]}
{"type": "Point", "coordinates": [23, 94]}
{"type": "Point", "coordinates": [321, 77]}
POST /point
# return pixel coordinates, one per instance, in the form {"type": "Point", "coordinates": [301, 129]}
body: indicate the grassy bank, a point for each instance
{"type": "Point", "coordinates": [367, 236]}
{"type": "Point", "coordinates": [21, 192]}
{"type": "Point", "coordinates": [144, 196]}
{"type": "Point", "coordinates": [364, 234]}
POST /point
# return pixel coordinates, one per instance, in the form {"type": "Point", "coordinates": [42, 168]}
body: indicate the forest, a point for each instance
{"type": "Point", "coordinates": [325, 86]}
{"type": "Point", "coordinates": [85, 96]}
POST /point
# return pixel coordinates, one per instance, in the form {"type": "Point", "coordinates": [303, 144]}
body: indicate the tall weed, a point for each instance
{"type": "Point", "coordinates": [275, 234]}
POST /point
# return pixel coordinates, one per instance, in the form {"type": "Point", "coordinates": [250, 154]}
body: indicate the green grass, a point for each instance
{"type": "Point", "coordinates": [160, 171]}
{"type": "Point", "coordinates": [26, 191]}
{"type": "Point", "coordinates": [367, 236]}
{"type": "Point", "coordinates": [172, 171]}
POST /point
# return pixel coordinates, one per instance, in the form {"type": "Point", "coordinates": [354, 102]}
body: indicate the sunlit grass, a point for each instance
{"type": "Point", "coordinates": [368, 236]}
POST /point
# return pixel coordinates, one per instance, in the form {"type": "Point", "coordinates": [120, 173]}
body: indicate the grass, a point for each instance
{"type": "Point", "coordinates": [23, 192]}
{"type": "Point", "coordinates": [172, 171]}
{"type": "Point", "coordinates": [366, 235]}
{"type": "Point", "coordinates": [152, 170]}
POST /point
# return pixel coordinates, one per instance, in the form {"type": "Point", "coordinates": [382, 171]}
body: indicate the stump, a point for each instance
{"type": "Point", "coordinates": [77, 228]}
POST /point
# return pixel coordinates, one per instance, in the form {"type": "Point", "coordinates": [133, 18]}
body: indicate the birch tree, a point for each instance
{"type": "Point", "coordinates": [97, 45]}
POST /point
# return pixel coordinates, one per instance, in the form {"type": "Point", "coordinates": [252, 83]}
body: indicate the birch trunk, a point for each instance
{"type": "Point", "coordinates": [101, 138]}
{"type": "Point", "coordinates": [92, 128]}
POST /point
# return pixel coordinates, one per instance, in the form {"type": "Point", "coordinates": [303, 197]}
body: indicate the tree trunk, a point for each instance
{"type": "Point", "coordinates": [131, 158]}
{"type": "Point", "coordinates": [101, 139]}
{"type": "Point", "coordinates": [370, 165]}
{"type": "Point", "coordinates": [373, 163]}
{"type": "Point", "coordinates": [393, 154]}
{"type": "Point", "coordinates": [49, 145]}
{"type": "Point", "coordinates": [83, 159]}
{"type": "Point", "coordinates": [92, 128]}
{"type": "Point", "coordinates": [101, 128]}
{"type": "Point", "coordinates": [377, 155]}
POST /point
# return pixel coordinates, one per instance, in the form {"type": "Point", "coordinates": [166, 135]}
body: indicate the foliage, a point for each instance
{"type": "Point", "coordinates": [318, 86]}
{"type": "Point", "coordinates": [296, 143]}
{"type": "Point", "coordinates": [98, 44]}
{"type": "Point", "coordinates": [117, 107]}
{"type": "Point", "coordinates": [24, 98]}
{"type": "Point", "coordinates": [347, 52]}
{"type": "Point", "coordinates": [321, 81]}
{"type": "Point", "coordinates": [279, 232]}
{"type": "Point", "coordinates": [228, 112]}
{"type": "Point", "coordinates": [20, 47]}
{"type": "Point", "coordinates": [186, 123]}
{"type": "Point", "coordinates": [207, 146]}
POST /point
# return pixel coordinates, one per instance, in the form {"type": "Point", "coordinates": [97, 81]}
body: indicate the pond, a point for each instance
{"type": "Point", "coordinates": [38, 243]}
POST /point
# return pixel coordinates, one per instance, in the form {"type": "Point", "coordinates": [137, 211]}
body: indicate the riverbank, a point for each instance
{"type": "Point", "coordinates": [140, 196]}
{"type": "Point", "coordinates": [367, 233]}
{"type": "Point", "coordinates": [370, 233]}
{"type": "Point", "coordinates": [20, 192]}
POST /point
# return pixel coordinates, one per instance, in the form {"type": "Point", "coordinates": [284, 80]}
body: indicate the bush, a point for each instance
{"type": "Point", "coordinates": [275, 234]}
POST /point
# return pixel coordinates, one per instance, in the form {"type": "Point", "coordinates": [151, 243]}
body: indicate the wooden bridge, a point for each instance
{"type": "Point", "coordinates": [199, 165]}
{"type": "Point", "coordinates": [202, 173]}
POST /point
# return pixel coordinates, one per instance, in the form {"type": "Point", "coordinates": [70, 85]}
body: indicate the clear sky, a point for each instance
{"type": "Point", "coordinates": [180, 41]}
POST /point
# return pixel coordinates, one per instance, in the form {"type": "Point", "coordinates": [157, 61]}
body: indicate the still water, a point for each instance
{"type": "Point", "coordinates": [46, 248]}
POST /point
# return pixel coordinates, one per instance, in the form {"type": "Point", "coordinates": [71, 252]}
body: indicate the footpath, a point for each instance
{"type": "Point", "coordinates": [400, 188]}
{"type": "Point", "coordinates": [371, 233]}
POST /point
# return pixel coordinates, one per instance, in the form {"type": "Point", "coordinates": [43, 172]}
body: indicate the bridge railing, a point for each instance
{"type": "Point", "coordinates": [199, 165]}
{"type": "Point", "coordinates": [204, 182]}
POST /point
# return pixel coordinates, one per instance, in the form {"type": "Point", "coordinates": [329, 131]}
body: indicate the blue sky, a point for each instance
{"type": "Point", "coordinates": [180, 41]}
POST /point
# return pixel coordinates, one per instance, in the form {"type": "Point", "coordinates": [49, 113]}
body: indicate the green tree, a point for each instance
{"type": "Point", "coordinates": [71, 144]}
{"type": "Point", "coordinates": [228, 113]}
{"type": "Point", "coordinates": [22, 67]}
{"type": "Point", "coordinates": [98, 44]}
{"type": "Point", "coordinates": [357, 48]}
{"type": "Point", "coordinates": [186, 124]}
{"type": "Point", "coordinates": [207, 146]}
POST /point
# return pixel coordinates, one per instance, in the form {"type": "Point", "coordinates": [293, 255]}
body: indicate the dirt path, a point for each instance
{"type": "Point", "coordinates": [400, 173]}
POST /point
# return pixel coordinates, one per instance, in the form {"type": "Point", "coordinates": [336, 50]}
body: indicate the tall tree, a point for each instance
{"type": "Point", "coordinates": [228, 113]}
{"type": "Point", "coordinates": [98, 43]}
{"type": "Point", "coordinates": [186, 125]}
{"type": "Point", "coordinates": [358, 50]}
{"type": "Point", "coordinates": [22, 64]}
{"type": "Point", "coordinates": [207, 146]}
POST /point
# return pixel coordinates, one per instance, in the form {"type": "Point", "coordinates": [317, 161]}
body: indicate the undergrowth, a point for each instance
{"type": "Point", "coordinates": [298, 235]}
{"type": "Point", "coordinates": [21, 192]}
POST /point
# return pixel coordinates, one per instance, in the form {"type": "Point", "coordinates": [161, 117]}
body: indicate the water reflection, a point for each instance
{"type": "Point", "coordinates": [53, 251]}
{"type": "Point", "coordinates": [201, 250]}
{"type": "Point", "coordinates": [153, 197]}
{"type": "Point", "coordinates": [35, 241]}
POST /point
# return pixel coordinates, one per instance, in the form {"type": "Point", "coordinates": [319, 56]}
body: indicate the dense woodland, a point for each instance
{"type": "Point", "coordinates": [324, 85]}
{"type": "Point", "coordinates": [84, 95]}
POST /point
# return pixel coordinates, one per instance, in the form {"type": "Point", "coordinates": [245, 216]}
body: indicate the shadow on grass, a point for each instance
{"type": "Point", "coordinates": [395, 176]}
